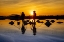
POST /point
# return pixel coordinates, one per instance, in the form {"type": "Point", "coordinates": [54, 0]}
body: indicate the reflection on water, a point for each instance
{"type": "Point", "coordinates": [54, 30]}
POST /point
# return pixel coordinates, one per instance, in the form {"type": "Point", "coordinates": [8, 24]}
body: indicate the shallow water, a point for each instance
{"type": "Point", "coordinates": [54, 33]}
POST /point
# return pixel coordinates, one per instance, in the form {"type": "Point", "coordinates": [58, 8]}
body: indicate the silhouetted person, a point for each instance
{"type": "Point", "coordinates": [22, 16]}
{"type": "Point", "coordinates": [34, 14]}
{"type": "Point", "coordinates": [23, 29]}
{"type": "Point", "coordinates": [34, 28]}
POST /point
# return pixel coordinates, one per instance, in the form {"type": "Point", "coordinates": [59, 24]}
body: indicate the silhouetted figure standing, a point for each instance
{"type": "Point", "coordinates": [34, 28]}
{"type": "Point", "coordinates": [22, 16]}
{"type": "Point", "coordinates": [23, 28]}
{"type": "Point", "coordinates": [34, 14]}
{"type": "Point", "coordinates": [34, 17]}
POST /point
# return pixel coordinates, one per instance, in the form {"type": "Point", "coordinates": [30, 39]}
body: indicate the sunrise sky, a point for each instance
{"type": "Point", "coordinates": [42, 7]}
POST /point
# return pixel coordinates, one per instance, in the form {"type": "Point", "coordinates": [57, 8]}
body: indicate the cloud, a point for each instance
{"type": "Point", "coordinates": [39, 2]}
{"type": "Point", "coordinates": [9, 2]}
{"type": "Point", "coordinates": [32, 4]}
{"type": "Point", "coordinates": [47, 1]}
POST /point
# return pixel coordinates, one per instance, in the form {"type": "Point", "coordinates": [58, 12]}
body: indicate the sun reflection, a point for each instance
{"type": "Point", "coordinates": [31, 20]}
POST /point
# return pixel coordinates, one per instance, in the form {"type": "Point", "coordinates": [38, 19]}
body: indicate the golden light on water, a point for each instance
{"type": "Point", "coordinates": [31, 20]}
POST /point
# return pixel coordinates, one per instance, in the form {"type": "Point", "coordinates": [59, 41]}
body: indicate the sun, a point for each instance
{"type": "Point", "coordinates": [31, 12]}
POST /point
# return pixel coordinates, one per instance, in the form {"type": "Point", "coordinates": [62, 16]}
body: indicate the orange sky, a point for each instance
{"type": "Point", "coordinates": [42, 7]}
